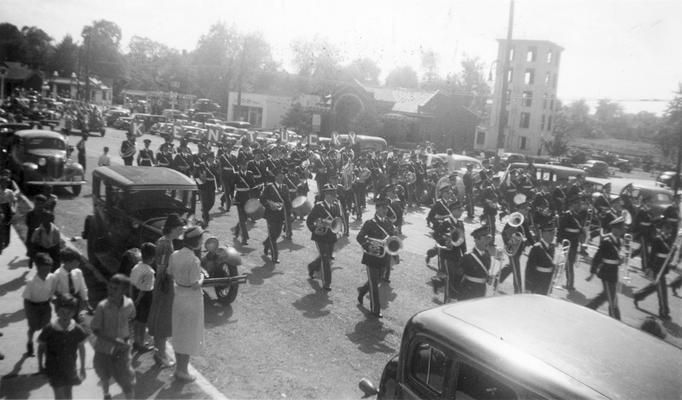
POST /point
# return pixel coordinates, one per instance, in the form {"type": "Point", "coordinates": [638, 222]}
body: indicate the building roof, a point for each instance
{"type": "Point", "coordinates": [531, 41]}
{"type": "Point", "coordinates": [146, 178]}
{"type": "Point", "coordinates": [403, 100]}
{"type": "Point", "coordinates": [17, 71]}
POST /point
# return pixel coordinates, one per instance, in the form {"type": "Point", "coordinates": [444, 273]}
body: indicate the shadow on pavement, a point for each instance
{"type": "Point", "coordinates": [215, 314]}
{"type": "Point", "coordinates": [386, 294]}
{"type": "Point", "coordinates": [289, 245]}
{"type": "Point", "coordinates": [20, 386]}
{"type": "Point", "coordinates": [18, 263]}
{"type": "Point", "coordinates": [259, 274]}
{"type": "Point", "coordinates": [312, 305]}
{"type": "Point", "coordinates": [577, 297]}
{"type": "Point", "coordinates": [15, 284]}
{"type": "Point", "coordinates": [369, 335]}
{"type": "Point", "coordinates": [7, 318]}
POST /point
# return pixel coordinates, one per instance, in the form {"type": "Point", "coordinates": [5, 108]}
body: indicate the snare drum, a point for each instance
{"type": "Point", "coordinates": [301, 206]}
{"type": "Point", "coordinates": [254, 209]}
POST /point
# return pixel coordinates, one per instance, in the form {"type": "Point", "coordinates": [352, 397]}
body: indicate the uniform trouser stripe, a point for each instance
{"type": "Point", "coordinates": [644, 253]}
{"type": "Point", "coordinates": [570, 263]}
{"type": "Point", "coordinates": [373, 285]}
{"type": "Point", "coordinates": [611, 298]}
{"type": "Point", "coordinates": [662, 293]}
{"type": "Point", "coordinates": [516, 270]}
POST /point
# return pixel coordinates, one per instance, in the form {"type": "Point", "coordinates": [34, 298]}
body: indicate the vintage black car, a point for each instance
{"type": "Point", "coordinates": [38, 158]}
{"type": "Point", "coordinates": [527, 347]}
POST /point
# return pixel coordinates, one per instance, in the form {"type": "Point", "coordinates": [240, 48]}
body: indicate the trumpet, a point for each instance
{"type": "Point", "coordinates": [275, 206]}
{"type": "Point", "coordinates": [560, 267]}
{"type": "Point", "coordinates": [390, 245]}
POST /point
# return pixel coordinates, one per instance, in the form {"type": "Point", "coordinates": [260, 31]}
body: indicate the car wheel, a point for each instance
{"type": "Point", "coordinates": [90, 235]}
{"type": "Point", "coordinates": [76, 189]}
{"type": "Point", "coordinates": [227, 294]}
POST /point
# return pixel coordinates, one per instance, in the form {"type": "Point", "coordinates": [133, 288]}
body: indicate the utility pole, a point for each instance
{"type": "Point", "coordinates": [504, 75]}
{"type": "Point", "coordinates": [676, 182]}
{"type": "Point", "coordinates": [239, 81]}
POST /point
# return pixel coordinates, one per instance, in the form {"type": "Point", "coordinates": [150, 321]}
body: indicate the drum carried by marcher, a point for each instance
{"type": "Point", "coordinates": [301, 206]}
{"type": "Point", "coordinates": [254, 209]}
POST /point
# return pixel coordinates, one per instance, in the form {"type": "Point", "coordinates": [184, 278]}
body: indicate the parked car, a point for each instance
{"type": "Point", "coordinates": [38, 158]}
{"type": "Point", "coordinates": [597, 168]}
{"type": "Point", "coordinates": [111, 115]}
{"type": "Point", "coordinates": [545, 172]}
{"type": "Point", "coordinates": [477, 349]}
{"type": "Point", "coordinates": [623, 165]}
{"type": "Point", "coordinates": [508, 158]}
{"type": "Point", "coordinates": [660, 197]}
{"type": "Point", "coordinates": [123, 123]}
{"type": "Point", "coordinates": [666, 178]}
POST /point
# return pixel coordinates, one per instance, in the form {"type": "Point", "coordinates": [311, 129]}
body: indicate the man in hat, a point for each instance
{"type": "Point", "coordinates": [319, 222]}
{"type": "Point", "coordinates": [243, 184]}
{"type": "Point", "coordinates": [605, 265]}
{"type": "Point", "coordinates": [257, 168]}
{"type": "Point", "coordinates": [375, 257]}
{"type": "Point", "coordinates": [145, 157]}
{"type": "Point", "coordinates": [450, 248]}
{"type": "Point", "coordinates": [276, 201]}
{"type": "Point", "coordinates": [205, 177]}
{"type": "Point", "coordinates": [81, 149]}
{"type": "Point", "coordinates": [228, 169]}
{"type": "Point", "coordinates": [476, 266]}
{"type": "Point", "coordinates": [571, 229]}
{"type": "Point", "coordinates": [644, 231]}
{"type": "Point", "coordinates": [540, 265]}
{"type": "Point", "coordinates": [468, 180]}
{"type": "Point", "coordinates": [182, 162]}
{"type": "Point", "coordinates": [490, 206]}
{"type": "Point", "coordinates": [516, 237]}
{"type": "Point", "coordinates": [661, 260]}
{"type": "Point", "coordinates": [128, 149]}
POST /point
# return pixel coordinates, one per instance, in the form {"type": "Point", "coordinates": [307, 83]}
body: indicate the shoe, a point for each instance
{"type": "Point", "coordinates": [636, 301]}
{"type": "Point", "coordinates": [183, 376]}
{"type": "Point", "coordinates": [386, 280]}
{"type": "Point", "coordinates": [378, 315]}
{"type": "Point", "coordinates": [245, 242]}
{"type": "Point", "coordinates": [29, 350]}
{"type": "Point", "coordinates": [361, 297]}
{"type": "Point", "coordinates": [163, 362]}
{"type": "Point", "coordinates": [142, 348]}
{"type": "Point", "coordinates": [665, 317]}
{"type": "Point", "coordinates": [569, 288]}
{"type": "Point", "coordinates": [275, 260]}
{"type": "Point", "coordinates": [327, 289]}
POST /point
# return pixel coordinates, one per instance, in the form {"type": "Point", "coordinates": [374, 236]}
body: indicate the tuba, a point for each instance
{"type": "Point", "coordinates": [324, 225]}
{"type": "Point", "coordinates": [560, 266]}
{"type": "Point", "coordinates": [381, 247]}
{"type": "Point", "coordinates": [516, 240]}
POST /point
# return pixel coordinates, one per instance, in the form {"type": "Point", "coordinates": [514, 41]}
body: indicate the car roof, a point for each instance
{"type": "Point", "coordinates": [38, 133]}
{"type": "Point", "coordinates": [145, 178]}
{"type": "Point", "coordinates": [550, 343]}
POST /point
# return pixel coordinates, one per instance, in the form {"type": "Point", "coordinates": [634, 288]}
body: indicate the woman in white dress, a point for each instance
{"type": "Point", "coordinates": [188, 303]}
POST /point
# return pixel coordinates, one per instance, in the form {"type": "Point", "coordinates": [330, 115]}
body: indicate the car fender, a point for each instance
{"type": "Point", "coordinates": [388, 386]}
{"type": "Point", "coordinates": [73, 170]}
{"type": "Point", "coordinates": [29, 166]}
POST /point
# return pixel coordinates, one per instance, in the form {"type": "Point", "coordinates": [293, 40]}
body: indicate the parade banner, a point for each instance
{"type": "Point", "coordinates": [284, 135]}
{"type": "Point", "coordinates": [352, 136]}
{"type": "Point", "coordinates": [335, 138]}
{"type": "Point", "coordinates": [213, 135]}
{"type": "Point", "coordinates": [136, 128]}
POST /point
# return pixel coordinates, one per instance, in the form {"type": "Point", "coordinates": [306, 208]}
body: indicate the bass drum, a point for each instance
{"type": "Point", "coordinates": [301, 206]}
{"type": "Point", "coordinates": [254, 209]}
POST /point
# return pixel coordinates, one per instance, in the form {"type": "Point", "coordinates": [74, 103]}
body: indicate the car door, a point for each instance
{"type": "Point", "coordinates": [427, 370]}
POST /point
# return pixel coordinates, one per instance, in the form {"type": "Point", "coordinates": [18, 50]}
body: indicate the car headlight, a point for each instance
{"type": "Point", "coordinates": [42, 162]}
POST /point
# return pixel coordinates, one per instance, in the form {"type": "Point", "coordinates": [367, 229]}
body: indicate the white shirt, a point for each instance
{"type": "Point", "coordinates": [62, 282]}
{"type": "Point", "coordinates": [452, 163]}
{"type": "Point", "coordinates": [38, 290]}
{"type": "Point", "coordinates": [142, 277]}
{"type": "Point", "coordinates": [103, 160]}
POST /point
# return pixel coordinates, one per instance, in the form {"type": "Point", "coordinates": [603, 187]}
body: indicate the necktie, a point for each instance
{"type": "Point", "coordinates": [72, 290]}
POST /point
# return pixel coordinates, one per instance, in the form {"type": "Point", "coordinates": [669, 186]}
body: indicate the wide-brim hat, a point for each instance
{"type": "Point", "coordinates": [327, 188]}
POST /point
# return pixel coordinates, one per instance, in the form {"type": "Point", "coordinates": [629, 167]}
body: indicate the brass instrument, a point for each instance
{"type": "Point", "coordinates": [672, 258]}
{"type": "Point", "coordinates": [496, 255]}
{"type": "Point", "coordinates": [391, 245]}
{"type": "Point", "coordinates": [275, 206]}
{"type": "Point", "coordinates": [627, 250]}
{"type": "Point", "coordinates": [560, 266]}
{"type": "Point", "coordinates": [324, 225]}
{"type": "Point", "coordinates": [514, 220]}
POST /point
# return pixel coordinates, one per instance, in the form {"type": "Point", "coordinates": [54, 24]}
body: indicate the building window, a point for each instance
{"type": "Point", "coordinates": [544, 101]}
{"type": "Point", "coordinates": [527, 98]}
{"type": "Point", "coordinates": [551, 104]}
{"type": "Point", "coordinates": [549, 123]}
{"type": "Point", "coordinates": [522, 143]}
{"type": "Point", "coordinates": [529, 76]}
{"type": "Point", "coordinates": [548, 78]}
{"type": "Point", "coordinates": [508, 97]}
{"type": "Point", "coordinates": [510, 74]}
{"type": "Point", "coordinates": [252, 115]}
{"type": "Point", "coordinates": [480, 138]}
{"type": "Point", "coordinates": [549, 57]}
{"type": "Point", "coordinates": [542, 122]}
{"type": "Point", "coordinates": [524, 121]}
{"type": "Point", "coordinates": [511, 54]}
{"type": "Point", "coordinates": [532, 52]}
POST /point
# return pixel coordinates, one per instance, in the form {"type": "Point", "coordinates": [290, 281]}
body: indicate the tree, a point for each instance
{"type": "Point", "coordinates": [607, 111]}
{"type": "Point", "coordinates": [298, 119]}
{"type": "Point", "coordinates": [320, 62]}
{"type": "Point", "coordinates": [404, 77]}
{"type": "Point", "coordinates": [557, 146]}
{"type": "Point", "coordinates": [64, 59]}
{"type": "Point", "coordinates": [215, 61]}
{"type": "Point", "coordinates": [11, 43]}
{"type": "Point", "coordinates": [429, 62]}
{"type": "Point", "coordinates": [365, 70]}
{"type": "Point", "coordinates": [669, 138]}
{"type": "Point", "coordinates": [147, 64]}
{"type": "Point", "coordinates": [100, 53]}
{"type": "Point", "coordinates": [37, 47]}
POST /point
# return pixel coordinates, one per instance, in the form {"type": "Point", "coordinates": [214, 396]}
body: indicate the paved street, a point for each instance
{"type": "Point", "coordinates": [284, 338]}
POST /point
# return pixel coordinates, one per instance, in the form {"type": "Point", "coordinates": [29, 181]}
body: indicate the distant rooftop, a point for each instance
{"type": "Point", "coordinates": [404, 100]}
{"type": "Point", "coordinates": [531, 41]}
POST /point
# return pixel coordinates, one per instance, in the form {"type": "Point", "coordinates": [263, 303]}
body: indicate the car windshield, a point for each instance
{"type": "Point", "coordinates": [45, 143]}
{"type": "Point", "coordinates": [162, 200]}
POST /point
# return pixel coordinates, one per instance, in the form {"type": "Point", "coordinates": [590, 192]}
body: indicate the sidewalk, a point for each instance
{"type": "Point", "coordinates": [19, 380]}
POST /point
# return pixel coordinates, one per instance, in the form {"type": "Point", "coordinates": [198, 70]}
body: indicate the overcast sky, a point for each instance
{"type": "Point", "coordinates": [620, 49]}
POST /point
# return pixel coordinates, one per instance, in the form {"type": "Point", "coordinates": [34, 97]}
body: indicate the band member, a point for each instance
{"type": "Point", "coordinates": [372, 237]}
{"type": "Point", "coordinates": [319, 222]}
{"type": "Point", "coordinates": [128, 149]}
{"type": "Point", "coordinates": [643, 230]}
{"type": "Point", "coordinates": [182, 161]}
{"type": "Point", "coordinates": [145, 157]}
{"type": "Point", "coordinates": [396, 209]}
{"type": "Point", "coordinates": [490, 206]}
{"type": "Point", "coordinates": [571, 229]}
{"type": "Point", "coordinates": [540, 265]}
{"type": "Point", "coordinates": [228, 169]}
{"type": "Point", "coordinates": [516, 238]}
{"type": "Point", "coordinates": [661, 247]}
{"type": "Point", "coordinates": [164, 158]}
{"type": "Point", "coordinates": [276, 203]}
{"type": "Point", "coordinates": [559, 199]}
{"type": "Point", "coordinates": [291, 182]}
{"type": "Point", "coordinates": [476, 265]}
{"type": "Point", "coordinates": [257, 168]}
{"type": "Point", "coordinates": [451, 247]}
{"type": "Point", "coordinates": [207, 183]}
{"type": "Point", "coordinates": [468, 180]}
{"type": "Point", "coordinates": [244, 184]}
{"type": "Point", "coordinates": [605, 265]}
{"type": "Point", "coordinates": [672, 213]}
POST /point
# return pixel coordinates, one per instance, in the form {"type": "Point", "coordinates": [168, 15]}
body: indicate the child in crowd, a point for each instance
{"type": "Point", "coordinates": [57, 345]}
{"type": "Point", "coordinates": [142, 286]}
{"type": "Point", "coordinates": [104, 159]}
{"type": "Point", "coordinates": [47, 238]}
{"type": "Point", "coordinates": [37, 295]}
{"type": "Point", "coordinates": [69, 280]}
{"type": "Point", "coordinates": [111, 327]}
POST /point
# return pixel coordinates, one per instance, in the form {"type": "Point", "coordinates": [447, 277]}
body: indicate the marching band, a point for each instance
{"type": "Point", "coordinates": [550, 222]}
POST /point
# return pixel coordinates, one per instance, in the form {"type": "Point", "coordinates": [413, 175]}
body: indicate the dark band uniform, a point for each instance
{"type": "Point", "coordinates": [570, 229]}
{"type": "Point", "coordinates": [605, 265]}
{"type": "Point", "coordinates": [540, 267]}
{"type": "Point", "coordinates": [276, 193]}
{"type": "Point", "coordinates": [145, 157]}
{"type": "Point", "coordinates": [128, 151]}
{"type": "Point", "coordinates": [451, 248]}
{"type": "Point", "coordinates": [380, 229]}
{"type": "Point", "coordinates": [660, 248]}
{"type": "Point", "coordinates": [323, 240]}
{"type": "Point", "coordinates": [244, 184]}
{"type": "Point", "coordinates": [476, 266]}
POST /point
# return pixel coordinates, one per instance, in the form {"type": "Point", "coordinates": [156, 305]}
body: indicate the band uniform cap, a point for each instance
{"type": "Point", "coordinates": [456, 204]}
{"type": "Point", "coordinates": [480, 232]}
{"type": "Point", "coordinates": [147, 141]}
{"type": "Point", "coordinates": [382, 201]}
{"type": "Point", "coordinates": [327, 188]}
{"type": "Point", "coordinates": [620, 221]}
{"type": "Point", "coordinates": [548, 225]}
{"type": "Point", "coordinates": [172, 221]}
{"type": "Point", "coordinates": [209, 240]}
{"type": "Point", "coordinates": [193, 232]}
